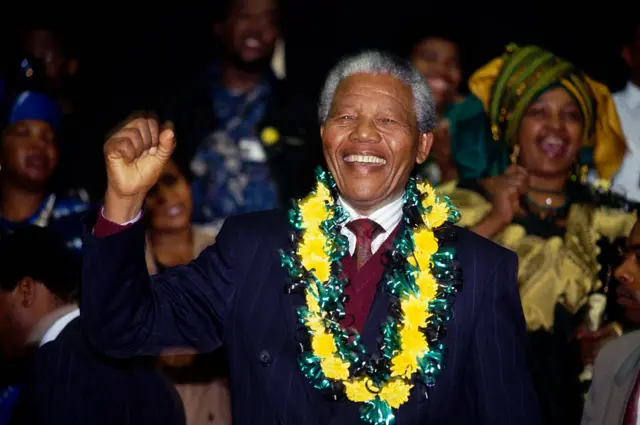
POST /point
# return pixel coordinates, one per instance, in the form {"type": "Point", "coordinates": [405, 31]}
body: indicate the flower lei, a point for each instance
{"type": "Point", "coordinates": [422, 281]}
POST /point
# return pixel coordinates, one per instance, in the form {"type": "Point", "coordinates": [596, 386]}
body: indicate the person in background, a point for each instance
{"type": "Point", "coordinates": [172, 240]}
{"type": "Point", "coordinates": [614, 394]}
{"type": "Point", "coordinates": [540, 207]}
{"type": "Point", "coordinates": [66, 380]}
{"type": "Point", "coordinates": [627, 102]}
{"type": "Point", "coordinates": [245, 131]}
{"type": "Point", "coordinates": [438, 60]}
{"type": "Point", "coordinates": [30, 299]}
{"type": "Point", "coordinates": [28, 159]}
{"type": "Point", "coordinates": [49, 62]}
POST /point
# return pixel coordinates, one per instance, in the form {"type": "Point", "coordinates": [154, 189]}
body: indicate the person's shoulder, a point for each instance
{"type": "Point", "coordinates": [255, 225]}
{"type": "Point", "coordinates": [481, 248]}
{"type": "Point", "coordinates": [617, 350]}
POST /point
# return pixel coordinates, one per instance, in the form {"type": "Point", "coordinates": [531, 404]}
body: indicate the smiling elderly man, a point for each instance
{"type": "Point", "coordinates": [343, 322]}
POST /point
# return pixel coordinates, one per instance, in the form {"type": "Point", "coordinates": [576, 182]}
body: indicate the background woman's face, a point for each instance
{"type": "Point", "coordinates": [169, 201]}
{"type": "Point", "coordinates": [438, 61]}
{"type": "Point", "coordinates": [550, 133]}
{"type": "Point", "coordinates": [28, 153]}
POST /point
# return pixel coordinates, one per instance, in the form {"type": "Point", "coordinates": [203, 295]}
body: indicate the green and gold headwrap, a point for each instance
{"type": "Point", "coordinates": [508, 84]}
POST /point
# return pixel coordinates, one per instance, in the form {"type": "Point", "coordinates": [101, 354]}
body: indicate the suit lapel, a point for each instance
{"type": "Point", "coordinates": [623, 384]}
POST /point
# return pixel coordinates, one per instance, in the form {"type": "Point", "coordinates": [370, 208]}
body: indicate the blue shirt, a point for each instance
{"type": "Point", "coordinates": [230, 165]}
{"type": "Point", "coordinates": [62, 214]}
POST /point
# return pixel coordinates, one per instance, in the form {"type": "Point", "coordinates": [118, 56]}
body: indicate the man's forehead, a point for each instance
{"type": "Point", "coordinates": [383, 85]}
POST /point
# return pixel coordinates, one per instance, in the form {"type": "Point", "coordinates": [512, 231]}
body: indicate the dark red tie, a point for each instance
{"type": "Point", "coordinates": [631, 411]}
{"type": "Point", "coordinates": [365, 230]}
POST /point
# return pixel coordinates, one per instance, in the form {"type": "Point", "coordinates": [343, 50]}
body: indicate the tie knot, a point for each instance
{"type": "Point", "coordinates": [365, 229]}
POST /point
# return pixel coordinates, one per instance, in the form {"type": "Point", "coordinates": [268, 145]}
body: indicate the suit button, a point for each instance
{"type": "Point", "coordinates": [265, 358]}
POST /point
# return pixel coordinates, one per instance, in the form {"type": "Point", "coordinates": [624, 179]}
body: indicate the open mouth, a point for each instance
{"type": "Point", "coordinates": [252, 43]}
{"type": "Point", "coordinates": [553, 146]}
{"type": "Point", "coordinates": [175, 210]}
{"type": "Point", "coordinates": [37, 161]}
{"type": "Point", "coordinates": [438, 84]}
{"type": "Point", "coordinates": [365, 159]}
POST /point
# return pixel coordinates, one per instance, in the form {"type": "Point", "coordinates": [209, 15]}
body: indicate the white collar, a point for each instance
{"type": "Point", "coordinates": [387, 217]}
{"type": "Point", "coordinates": [53, 324]}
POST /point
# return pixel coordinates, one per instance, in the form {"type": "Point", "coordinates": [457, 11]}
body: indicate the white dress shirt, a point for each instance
{"type": "Point", "coordinates": [387, 217]}
{"type": "Point", "coordinates": [627, 180]}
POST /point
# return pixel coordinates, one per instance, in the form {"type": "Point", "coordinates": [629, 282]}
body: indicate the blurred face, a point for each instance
{"type": "Point", "coordinates": [631, 55]}
{"type": "Point", "coordinates": [20, 310]}
{"type": "Point", "coordinates": [628, 274]}
{"type": "Point", "coordinates": [28, 153]}
{"type": "Point", "coordinates": [550, 134]}
{"type": "Point", "coordinates": [438, 61]}
{"type": "Point", "coordinates": [371, 141]}
{"type": "Point", "coordinates": [250, 31]}
{"type": "Point", "coordinates": [45, 46]}
{"type": "Point", "coordinates": [169, 201]}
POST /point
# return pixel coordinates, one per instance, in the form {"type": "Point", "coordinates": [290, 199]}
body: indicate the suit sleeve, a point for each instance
{"type": "Point", "coordinates": [127, 313]}
{"type": "Point", "coordinates": [503, 384]}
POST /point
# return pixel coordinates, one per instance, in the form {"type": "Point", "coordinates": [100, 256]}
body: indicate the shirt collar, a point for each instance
{"type": "Point", "coordinates": [51, 325]}
{"type": "Point", "coordinates": [387, 217]}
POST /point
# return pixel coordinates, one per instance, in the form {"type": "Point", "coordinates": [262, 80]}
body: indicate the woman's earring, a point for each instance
{"type": "Point", "coordinates": [515, 154]}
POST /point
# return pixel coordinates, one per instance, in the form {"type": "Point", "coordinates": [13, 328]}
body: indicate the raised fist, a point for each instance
{"type": "Point", "coordinates": [506, 192]}
{"type": "Point", "coordinates": [134, 156]}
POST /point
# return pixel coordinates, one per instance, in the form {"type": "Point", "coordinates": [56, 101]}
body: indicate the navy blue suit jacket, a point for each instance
{"type": "Point", "coordinates": [70, 383]}
{"type": "Point", "coordinates": [233, 295]}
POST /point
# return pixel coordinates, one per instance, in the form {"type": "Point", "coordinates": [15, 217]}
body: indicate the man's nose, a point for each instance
{"type": "Point", "coordinates": [366, 131]}
{"type": "Point", "coordinates": [623, 273]}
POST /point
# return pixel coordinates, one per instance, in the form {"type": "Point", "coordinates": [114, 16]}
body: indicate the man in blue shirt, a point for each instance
{"type": "Point", "coordinates": [245, 133]}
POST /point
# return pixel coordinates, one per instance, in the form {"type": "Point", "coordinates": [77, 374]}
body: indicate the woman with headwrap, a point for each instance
{"type": "Point", "coordinates": [522, 143]}
{"type": "Point", "coordinates": [28, 159]}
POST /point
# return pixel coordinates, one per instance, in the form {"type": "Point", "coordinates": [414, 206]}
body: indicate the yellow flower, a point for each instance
{"type": "Point", "coordinates": [414, 312]}
{"type": "Point", "coordinates": [312, 302]}
{"type": "Point", "coordinates": [315, 324]}
{"type": "Point", "coordinates": [357, 390]}
{"type": "Point", "coordinates": [427, 285]}
{"type": "Point", "coordinates": [269, 136]}
{"type": "Point", "coordinates": [335, 368]}
{"type": "Point", "coordinates": [438, 215]}
{"type": "Point", "coordinates": [313, 212]}
{"type": "Point", "coordinates": [413, 342]}
{"type": "Point", "coordinates": [323, 345]}
{"type": "Point", "coordinates": [396, 392]}
{"type": "Point", "coordinates": [404, 364]}
{"type": "Point", "coordinates": [425, 188]}
{"type": "Point", "coordinates": [425, 241]}
{"type": "Point", "coordinates": [322, 193]}
{"type": "Point", "coordinates": [322, 268]}
{"type": "Point", "coordinates": [313, 256]}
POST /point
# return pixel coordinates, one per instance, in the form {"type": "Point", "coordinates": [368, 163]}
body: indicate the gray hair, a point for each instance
{"type": "Point", "coordinates": [378, 63]}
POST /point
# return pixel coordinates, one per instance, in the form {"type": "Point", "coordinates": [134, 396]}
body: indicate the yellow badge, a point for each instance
{"type": "Point", "coordinates": [269, 136]}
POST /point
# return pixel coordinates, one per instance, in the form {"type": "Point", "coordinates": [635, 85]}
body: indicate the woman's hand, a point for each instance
{"type": "Point", "coordinates": [505, 192]}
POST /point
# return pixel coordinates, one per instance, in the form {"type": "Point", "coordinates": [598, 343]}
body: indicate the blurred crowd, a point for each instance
{"type": "Point", "coordinates": [538, 156]}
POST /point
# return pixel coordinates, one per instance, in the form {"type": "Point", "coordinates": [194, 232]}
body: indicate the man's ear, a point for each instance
{"type": "Point", "coordinates": [425, 141]}
{"type": "Point", "coordinates": [321, 131]}
{"type": "Point", "coordinates": [26, 291]}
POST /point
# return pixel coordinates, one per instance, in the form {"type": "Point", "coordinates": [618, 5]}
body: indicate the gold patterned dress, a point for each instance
{"type": "Point", "coordinates": [559, 268]}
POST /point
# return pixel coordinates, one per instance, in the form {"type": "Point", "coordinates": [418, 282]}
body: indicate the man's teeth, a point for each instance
{"type": "Point", "coordinates": [367, 159]}
{"type": "Point", "coordinates": [554, 141]}
{"type": "Point", "coordinates": [252, 43]}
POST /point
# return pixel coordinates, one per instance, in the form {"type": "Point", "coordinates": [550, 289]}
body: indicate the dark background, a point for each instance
{"type": "Point", "coordinates": [135, 56]}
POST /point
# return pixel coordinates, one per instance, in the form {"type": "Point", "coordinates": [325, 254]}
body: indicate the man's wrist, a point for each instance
{"type": "Point", "coordinates": [121, 210]}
